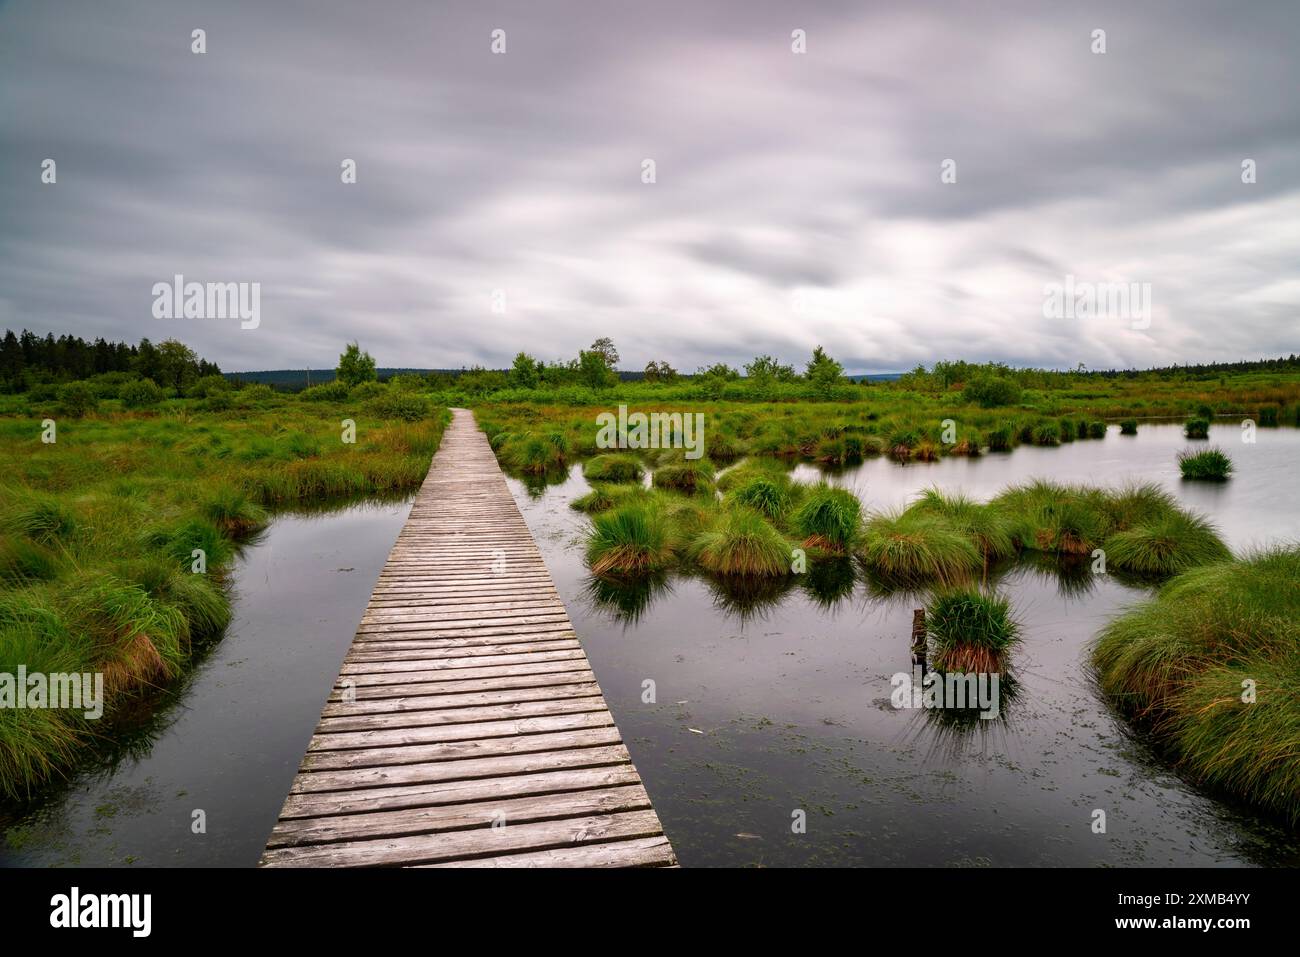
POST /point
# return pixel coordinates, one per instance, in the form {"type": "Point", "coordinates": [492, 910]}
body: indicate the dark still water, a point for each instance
{"type": "Point", "coordinates": [229, 740]}
{"type": "Point", "coordinates": [769, 709]}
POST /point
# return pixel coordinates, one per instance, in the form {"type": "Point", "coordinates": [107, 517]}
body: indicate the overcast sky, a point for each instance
{"type": "Point", "coordinates": [798, 197]}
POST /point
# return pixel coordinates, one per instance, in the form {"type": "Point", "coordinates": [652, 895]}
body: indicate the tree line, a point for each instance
{"type": "Point", "coordinates": [28, 360]}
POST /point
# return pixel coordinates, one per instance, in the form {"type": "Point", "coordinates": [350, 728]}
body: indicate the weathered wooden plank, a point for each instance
{"type": "Point", "coordinates": [480, 842]}
{"type": "Point", "coordinates": [466, 700]}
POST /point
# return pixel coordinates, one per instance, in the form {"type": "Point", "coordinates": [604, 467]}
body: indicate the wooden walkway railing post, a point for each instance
{"type": "Point", "coordinates": [466, 728]}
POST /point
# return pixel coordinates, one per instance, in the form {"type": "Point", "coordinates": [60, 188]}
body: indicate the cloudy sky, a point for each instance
{"type": "Point", "coordinates": [797, 197]}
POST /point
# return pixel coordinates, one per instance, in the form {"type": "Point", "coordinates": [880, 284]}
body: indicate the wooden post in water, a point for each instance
{"type": "Point", "coordinates": [918, 636]}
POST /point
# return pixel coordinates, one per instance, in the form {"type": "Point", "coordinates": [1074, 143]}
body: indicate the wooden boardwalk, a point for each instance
{"type": "Point", "coordinates": [466, 728]}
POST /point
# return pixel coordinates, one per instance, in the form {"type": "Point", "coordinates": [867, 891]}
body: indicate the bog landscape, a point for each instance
{"type": "Point", "coordinates": [669, 438]}
{"type": "Point", "coordinates": [744, 552]}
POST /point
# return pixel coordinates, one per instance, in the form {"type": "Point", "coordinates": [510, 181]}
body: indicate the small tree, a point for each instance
{"type": "Point", "coordinates": [765, 369]}
{"type": "Point", "coordinates": [594, 370]}
{"type": "Point", "coordinates": [823, 372]}
{"type": "Point", "coordinates": [355, 366]}
{"type": "Point", "coordinates": [660, 372]}
{"type": "Point", "coordinates": [178, 365]}
{"type": "Point", "coordinates": [605, 347]}
{"type": "Point", "coordinates": [526, 372]}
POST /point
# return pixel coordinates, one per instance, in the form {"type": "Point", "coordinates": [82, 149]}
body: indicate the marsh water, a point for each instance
{"type": "Point", "coordinates": [228, 741]}
{"type": "Point", "coordinates": [771, 704]}
{"type": "Point", "coordinates": [765, 705]}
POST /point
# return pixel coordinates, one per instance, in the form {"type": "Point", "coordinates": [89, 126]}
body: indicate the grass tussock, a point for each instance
{"type": "Point", "coordinates": [1211, 665]}
{"type": "Point", "coordinates": [612, 468]}
{"type": "Point", "coordinates": [917, 546]}
{"type": "Point", "coordinates": [828, 520]}
{"type": "Point", "coordinates": [634, 538]}
{"type": "Point", "coordinates": [1210, 465]}
{"type": "Point", "coordinates": [742, 542]}
{"type": "Point", "coordinates": [971, 631]}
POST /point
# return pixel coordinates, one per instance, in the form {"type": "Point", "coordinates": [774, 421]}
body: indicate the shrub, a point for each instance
{"type": "Point", "coordinates": [402, 406]}
{"type": "Point", "coordinates": [991, 391]}
{"type": "Point", "coordinates": [140, 394]}
{"type": "Point", "coordinates": [77, 398]}
{"type": "Point", "coordinates": [334, 391]}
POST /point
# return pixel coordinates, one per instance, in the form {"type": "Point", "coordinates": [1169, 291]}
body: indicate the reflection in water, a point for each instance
{"type": "Point", "coordinates": [626, 598]}
{"type": "Point", "coordinates": [747, 598]}
{"type": "Point", "coordinates": [795, 711]}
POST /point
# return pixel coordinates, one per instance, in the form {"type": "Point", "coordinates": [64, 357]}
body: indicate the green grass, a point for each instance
{"type": "Point", "coordinates": [612, 468]}
{"type": "Point", "coordinates": [1171, 543]}
{"type": "Point", "coordinates": [772, 495]}
{"type": "Point", "coordinates": [98, 532]}
{"type": "Point", "coordinates": [1177, 662]}
{"type": "Point", "coordinates": [742, 542]}
{"type": "Point", "coordinates": [828, 519]}
{"type": "Point", "coordinates": [970, 631]}
{"type": "Point", "coordinates": [1211, 465]}
{"type": "Point", "coordinates": [1197, 428]}
{"type": "Point", "coordinates": [915, 546]}
{"type": "Point", "coordinates": [631, 539]}
{"type": "Point", "coordinates": [1128, 427]}
{"type": "Point", "coordinates": [984, 526]}
{"type": "Point", "coordinates": [691, 476]}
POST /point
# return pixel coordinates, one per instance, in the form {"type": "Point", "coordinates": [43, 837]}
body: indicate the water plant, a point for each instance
{"type": "Point", "coordinates": [612, 467]}
{"type": "Point", "coordinates": [1165, 545]}
{"type": "Point", "coordinates": [970, 631]}
{"type": "Point", "coordinates": [1197, 428]}
{"type": "Point", "coordinates": [828, 519]}
{"type": "Point", "coordinates": [1212, 464]}
{"type": "Point", "coordinates": [742, 542]}
{"type": "Point", "coordinates": [1128, 427]}
{"type": "Point", "coordinates": [631, 539]}
{"type": "Point", "coordinates": [915, 546]}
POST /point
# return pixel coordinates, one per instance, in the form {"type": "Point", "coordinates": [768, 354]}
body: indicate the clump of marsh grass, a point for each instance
{"type": "Point", "coordinates": [986, 527]}
{"type": "Point", "coordinates": [634, 538]}
{"type": "Point", "coordinates": [770, 494]}
{"type": "Point", "coordinates": [1128, 427]}
{"type": "Point", "coordinates": [916, 546]}
{"type": "Point", "coordinates": [234, 512]}
{"type": "Point", "coordinates": [828, 519]}
{"type": "Point", "coordinates": [1170, 543]}
{"type": "Point", "coordinates": [612, 468]}
{"type": "Point", "coordinates": [1197, 428]}
{"type": "Point", "coordinates": [1000, 439]}
{"type": "Point", "coordinates": [970, 631]}
{"type": "Point", "coordinates": [1049, 517]}
{"type": "Point", "coordinates": [1210, 465]}
{"type": "Point", "coordinates": [1209, 665]}
{"type": "Point", "coordinates": [1096, 430]}
{"type": "Point", "coordinates": [691, 476]}
{"type": "Point", "coordinates": [742, 542]}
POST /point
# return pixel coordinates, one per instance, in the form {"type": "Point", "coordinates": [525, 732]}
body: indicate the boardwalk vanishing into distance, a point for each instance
{"type": "Point", "coordinates": [466, 728]}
